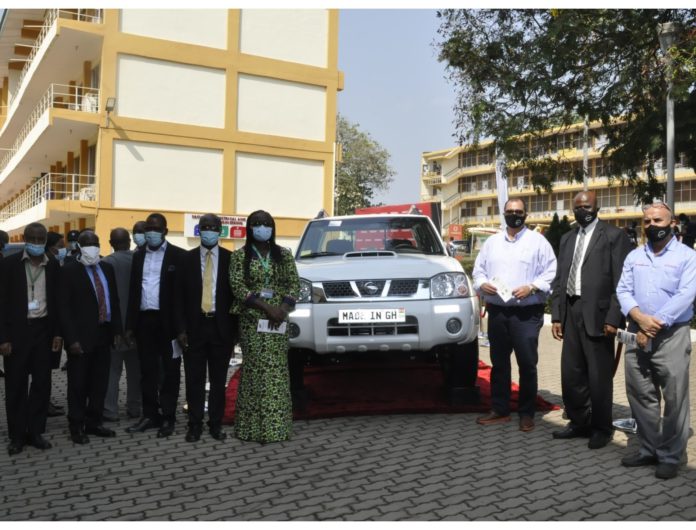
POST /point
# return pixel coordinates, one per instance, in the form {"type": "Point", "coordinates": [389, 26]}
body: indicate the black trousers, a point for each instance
{"type": "Point", "coordinates": [206, 349]}
{"type": "Point", "coordinates": [587, 370]}
{"type": "Point", "coordinates": [88, 377]}
{"type": "Point", "coordinates": [514, 328]}
{"type": "Point", "coordinates": [26, 404]}
{"type": "Point", "coordinates": [159, 374]}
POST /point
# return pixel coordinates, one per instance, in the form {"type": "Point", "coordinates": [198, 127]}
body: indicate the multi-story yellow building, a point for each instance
{"type": "Point", "coordinates": [110, 114]}
{"type": "Point", "coordinates": [463, 180]}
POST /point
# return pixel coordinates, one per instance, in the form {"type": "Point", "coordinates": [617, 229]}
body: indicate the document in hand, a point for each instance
{"type": "Point", "coordinates": [630, 339]}
{"type": "Point", "coordinates": [503, 290]}
{"type": "Point", "coordinates": [265, 327]}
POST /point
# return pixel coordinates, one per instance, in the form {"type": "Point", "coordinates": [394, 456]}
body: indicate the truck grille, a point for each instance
{"type": "Point", "coordinates": [334, 329]}
{"type": "Point", "coordinates": [403, 287]}
{"type": "Point", "coordinates": [338, 290]}
{"type": "Point", "coordinates": [370, 288]}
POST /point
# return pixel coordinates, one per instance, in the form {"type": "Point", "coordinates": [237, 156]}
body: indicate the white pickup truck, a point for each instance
{"type": "Point", "coordinates": [384, 284]}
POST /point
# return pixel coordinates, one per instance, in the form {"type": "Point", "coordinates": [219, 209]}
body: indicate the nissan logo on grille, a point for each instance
{"type": "Point", "coordinates": [371, 288]}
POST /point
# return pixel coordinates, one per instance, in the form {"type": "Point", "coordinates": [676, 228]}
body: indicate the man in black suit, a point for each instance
{"type": "Point", "coordinates": [206, 329]}
{"type": "Point", "coordinates": [151, 320]}
{"type": "Point", "coordinates": [29, 332]}
{"type": "Point", "coordinates": [91, 322]}
{"type": "Point", "coordinates": [586, 314]}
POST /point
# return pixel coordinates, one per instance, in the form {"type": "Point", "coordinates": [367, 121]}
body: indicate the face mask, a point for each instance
{"type": "Point", "coordinates": [657, 233]}
{"type": "Point", "coordinates": [62, 252]}
{"type": "Point", "coordinates": [154, 239]}
{"type": "Point", "coordinates": [72, 245]}
{"type": "Point", "coordinates": [262, 233]}
{"type": "Point", "coordinates": [139, 239]}
{"type": "Point", "coordinates": [514, 221]}
{"type": "Point", "coordinates": [35, 250]}
{"type": "Point", "coordinates": [209, 238]}
{"type": "Point", "coordinates": [89, 255]}
{"type": "Point", "coordinates": [584, 217]}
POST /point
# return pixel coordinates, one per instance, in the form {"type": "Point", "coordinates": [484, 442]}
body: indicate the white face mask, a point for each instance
{"type": "Point", "coordinates": [89, 255]}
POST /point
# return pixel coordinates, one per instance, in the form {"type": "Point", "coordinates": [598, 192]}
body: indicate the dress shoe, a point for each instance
{"type": "Point", "coordinates": [666, 470]}
{"type": "Point", "coordinates": [193, 434]}
{"type": "Point", "coordinates": [218, 433]}
{"type": "Point", "coordinates": [638, 460]}
{"type": "Point", "coordinates": [54, 410]}
{"type": "Point", "coordinates": [38, 441]}
{"type": "Point", "coordinates": [571, 432]}
{"type": "Point", "coordinates": [143, 425]}
{"type": "Point", "coordinates": [79, 436]}
{"type": "Point", "coordinates": [101, 431]}
{"type": "Point", "coordinates": [526, 423]}
{"type": "Point", "coordinates": [14, 448]}
{"type": "Point", "coordinates": [599, 439]}
{"type": "Point", "coordinates": [492, 418]}
{"type": "Point", "coordinates": [167, 429]}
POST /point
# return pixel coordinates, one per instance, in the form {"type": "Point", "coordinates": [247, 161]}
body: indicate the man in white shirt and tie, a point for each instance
{"type": "Point", "coordinates": [206, 330]}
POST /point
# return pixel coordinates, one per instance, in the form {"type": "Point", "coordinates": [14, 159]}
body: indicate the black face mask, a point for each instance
{"type": "Point", "coordinates": [584, 217]}
{"type": "Point", "coordinates": [514, 221]}
{"type": "Point", "coordinates": [656, 234]}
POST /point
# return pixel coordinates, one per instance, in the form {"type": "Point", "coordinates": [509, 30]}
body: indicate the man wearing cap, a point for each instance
{"type": "Point", "coordinates": [71, 238]}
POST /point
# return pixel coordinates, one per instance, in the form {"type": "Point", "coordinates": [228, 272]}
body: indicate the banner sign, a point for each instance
{"type": "Point", "coordinates": [233, 226]}
{"type": "Point", "coordinates": [455, 231]}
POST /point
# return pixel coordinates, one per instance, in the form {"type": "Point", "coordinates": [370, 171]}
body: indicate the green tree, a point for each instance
{"type": "Point", "coordinates": [521, 72]}
{"type": "Point", "coordinates": [555, 231]}
{"type": "Point", "coordinates": [363, 169]}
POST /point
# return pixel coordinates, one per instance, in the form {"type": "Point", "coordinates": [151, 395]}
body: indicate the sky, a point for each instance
{"type": "Point", "coordinates": [395, 89]}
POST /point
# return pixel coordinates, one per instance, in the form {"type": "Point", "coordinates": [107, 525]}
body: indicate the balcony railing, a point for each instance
{"type": "Point", "coordinates": [93, 16]}
{"type": "Point", "coordinates": [432, 180]}
{"type": "Point", "coordinates": [71, 97]}
{"type": "Point", "coordinates": [449, 201]}
{"type": "Point", "coordinates": [52, 186]}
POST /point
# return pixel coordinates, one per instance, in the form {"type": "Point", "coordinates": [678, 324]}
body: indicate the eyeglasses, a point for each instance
{"type": "Point", "coordinates": [261, 223]}
{"type": "Point", "coordinates": [214, 228]}
{"type": "Point", "coordinates": [657, 204]}
{"type": "Point", "coordinates": [514, 212]}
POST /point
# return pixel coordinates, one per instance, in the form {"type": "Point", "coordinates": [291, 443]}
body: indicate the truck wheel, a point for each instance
{"type": "Point", "coordinates": [459, 364]}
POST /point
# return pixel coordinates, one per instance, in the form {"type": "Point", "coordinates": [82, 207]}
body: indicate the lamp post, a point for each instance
{"type": "Point", "coordinates": [667, 32]}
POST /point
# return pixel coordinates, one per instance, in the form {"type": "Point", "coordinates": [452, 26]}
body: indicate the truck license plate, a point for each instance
{"type": "Point", "coordinates": [371, 316]}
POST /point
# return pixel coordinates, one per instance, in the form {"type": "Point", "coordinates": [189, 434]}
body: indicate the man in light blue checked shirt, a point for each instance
{"type": "Point", "coordinates": [513, 272]}
{"type": "Point", "coordinates": [656, 291]}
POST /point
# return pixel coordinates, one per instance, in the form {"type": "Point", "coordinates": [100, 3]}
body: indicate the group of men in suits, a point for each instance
{"type": "Point", "coordinates": [175, 301]}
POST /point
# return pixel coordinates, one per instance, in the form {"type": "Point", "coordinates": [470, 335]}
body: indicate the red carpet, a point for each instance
{"type": "Point", "coordinates": [397, 387]}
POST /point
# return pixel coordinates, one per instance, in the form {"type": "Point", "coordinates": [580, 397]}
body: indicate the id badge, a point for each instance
{"type": "Point", "coordinates": [34, 305]}
{"type": "Point", "coordinates": [267, 294]}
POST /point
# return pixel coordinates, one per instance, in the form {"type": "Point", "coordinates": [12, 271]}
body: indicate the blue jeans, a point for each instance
{"type": "Point", "coordinates": [514, 328]}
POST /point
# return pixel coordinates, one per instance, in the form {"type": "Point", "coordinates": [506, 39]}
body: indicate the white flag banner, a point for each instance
{"type": "Point", "coordinates": [501, 184]}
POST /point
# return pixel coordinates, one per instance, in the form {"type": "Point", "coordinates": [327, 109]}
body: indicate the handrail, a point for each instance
{"type": "Point", "coordinates": [78, 98]}
{"type": "Point", "coordinates": [51, 16]}
{"type": "Point", "coordinates": [52, 186]}
{"type": "Point", "coordinates": [451, 199]}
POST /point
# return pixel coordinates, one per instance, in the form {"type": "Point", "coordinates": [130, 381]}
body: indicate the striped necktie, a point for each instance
{"type": "Point", "coordinates": [577, 258]}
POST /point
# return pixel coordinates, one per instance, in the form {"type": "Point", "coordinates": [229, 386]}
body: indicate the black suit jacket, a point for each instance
{"type": "Point", "coordinates": [79, 309]}
{"type": "Point", "coordinates": [14, 301]}
{"type": "Point", "coordinates": [190, 293]}
{"type": "Point", "coordinates": [167, 294]}
{"type": "Point", "coordinates": [600, 273]}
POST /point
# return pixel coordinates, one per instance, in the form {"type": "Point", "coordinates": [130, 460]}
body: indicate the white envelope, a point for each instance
{"type": "Point", "coordinates": [265, 327]}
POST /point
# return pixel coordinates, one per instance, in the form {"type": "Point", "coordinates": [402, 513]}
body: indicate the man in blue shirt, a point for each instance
{"type": "Point", "coordinates": [514, 271]}
{"type": "Point", "coordinates": [656, 291]}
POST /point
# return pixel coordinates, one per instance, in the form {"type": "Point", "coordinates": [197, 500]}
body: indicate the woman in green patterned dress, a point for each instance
{"type": "Point", "coordinates": [264, 283]}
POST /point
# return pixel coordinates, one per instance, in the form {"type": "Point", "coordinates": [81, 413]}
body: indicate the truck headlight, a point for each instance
{"type": "Point", "coordinates": [450, 285]}
{"type": "Point", "coordinates": [305, 291]}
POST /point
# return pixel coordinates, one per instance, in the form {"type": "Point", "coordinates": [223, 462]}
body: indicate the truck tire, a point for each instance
{"type": "Point", "coordinates": [459, 364]}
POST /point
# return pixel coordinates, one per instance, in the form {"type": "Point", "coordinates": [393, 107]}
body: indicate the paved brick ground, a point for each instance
{"type": "Point", "coordinates": [402, 467]}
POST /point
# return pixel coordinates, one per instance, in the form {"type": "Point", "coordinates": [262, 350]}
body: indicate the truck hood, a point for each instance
{"type": "Point", "coordinates": [331, 268]}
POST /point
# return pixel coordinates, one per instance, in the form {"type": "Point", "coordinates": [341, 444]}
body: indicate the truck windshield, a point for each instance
{"type": "Point", "coordinates": [333, 237]}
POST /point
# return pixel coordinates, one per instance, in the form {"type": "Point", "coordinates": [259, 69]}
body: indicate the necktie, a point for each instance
{"type": "Point", "coordinates": [101, 297]}
{"type": "Point", "coordinates": [207, 301]}
{"type": "Point", "coordinates": [577, 257]}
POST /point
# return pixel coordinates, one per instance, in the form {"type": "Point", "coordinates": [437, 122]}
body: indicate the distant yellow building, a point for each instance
{"type": "Point", "coordinates": [463, 180]}
{"type": "Point", "coordinates": [110, 114]}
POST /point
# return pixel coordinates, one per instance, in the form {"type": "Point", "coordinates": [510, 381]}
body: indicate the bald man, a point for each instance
{"type": "Point", "coordinates": [586, 314]}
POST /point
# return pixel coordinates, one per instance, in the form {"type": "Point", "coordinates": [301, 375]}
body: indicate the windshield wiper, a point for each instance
{"type": "Point", "coordinates": [318, 254]}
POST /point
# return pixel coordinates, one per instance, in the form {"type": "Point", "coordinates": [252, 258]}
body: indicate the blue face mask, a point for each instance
{"type": "Point", "coordinates": [262, 233]}
{"type": "Point", "coordinates": [209, 237]}
{"type": "Point", "coordinates": [62, 252]}
{"type": "Point", "coordinates": [154, 239]}
{"type": "Point", "coordinates": [35, 250]}
{"type": "Point", "coordinates": [139, 239]}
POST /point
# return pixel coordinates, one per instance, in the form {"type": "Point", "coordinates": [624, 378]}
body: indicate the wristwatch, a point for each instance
{"type": "Point", "coordinates": [532, 289]}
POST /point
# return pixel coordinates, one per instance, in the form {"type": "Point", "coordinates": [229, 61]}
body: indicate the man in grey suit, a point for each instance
{"type": "Point", "coordinates": [121, 260]}
{"type": "Point", "coordinates": [586, 314]}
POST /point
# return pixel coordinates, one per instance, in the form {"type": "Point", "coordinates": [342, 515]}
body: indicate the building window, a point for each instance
{"type": "Point", "coordinates": [485, 182]}
{"type": "Point", "coordinates": [493, 209]}
{"type": "Point", "coordinates": [601, 167]}
{"type": "Point", "coordinates": [561, 202]}
{"type": "Point", "coordinates": [467, 184]}
{"type": "Point", "coordinates": [469, 208]}
{"type": "Point", "coordinates": [685, 191]}
{"type": "Point", "coordinates": [466, 159]}
{"type": "Point", "coordinates": [92, 160]}
{"type": "Point", "coordinates": [485, 157]}
{"type": "Point", "coordinates": [538, 203]}
{"type": "Point", "coordinates": [606, 198]}
{"type": "Point", "coordinates": [626, 197]}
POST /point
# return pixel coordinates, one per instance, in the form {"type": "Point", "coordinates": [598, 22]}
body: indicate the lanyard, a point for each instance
{"type": "Point", "coordinates": [265, 263]}
{"type": "Point", "coordinates": [32, 279]}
